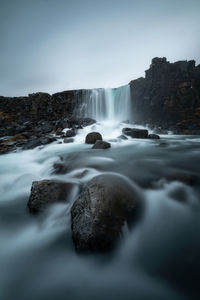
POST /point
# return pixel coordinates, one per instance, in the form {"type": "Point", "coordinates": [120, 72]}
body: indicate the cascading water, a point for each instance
{"type": "Point", "coordinates": [107, 104]}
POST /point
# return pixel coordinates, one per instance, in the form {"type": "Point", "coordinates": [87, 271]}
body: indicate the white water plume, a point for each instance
{"type": "Point", "coordinates": [107, 104]}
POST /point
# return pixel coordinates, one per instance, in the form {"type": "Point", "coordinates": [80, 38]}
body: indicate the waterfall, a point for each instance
{"type": "Point", "coordinates": [107, 104]}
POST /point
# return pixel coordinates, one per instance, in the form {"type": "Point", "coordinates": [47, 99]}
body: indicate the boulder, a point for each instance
{"type": "Point", "coordinates": [68, 140]}
{"type": "Point", "coordinates": [46, 192]}
{"type": "Point", "coordinates": [101, 145]}
{"type": "Point", "coordinates": [122, 137]}
{"type": "Point", "coordinates": [136, 133]}
{"type": "Point", "coordinates": [153, 136]}
{"type": "Point", "coordinates": [100, 211]}
{"type": "Point", "coordinates": [92, 137]}
{"type": "Point", "coordinates": [71, 133]}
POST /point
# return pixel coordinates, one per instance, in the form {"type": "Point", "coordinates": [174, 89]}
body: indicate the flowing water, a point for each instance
{"type": "Point", "coordinates": [158, 259]}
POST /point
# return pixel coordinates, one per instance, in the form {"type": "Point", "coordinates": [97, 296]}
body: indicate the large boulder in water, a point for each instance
{"type": "Point", "coordinates": [101, 210]}
{"type": "Point", "coordinates": [136, 133]}
{"type": "Point", "coordinates": [46, 192]}
{"type": "Point", "coordinates": [101, 145]}
{"type": "Point", "coordinates": [92, 137]}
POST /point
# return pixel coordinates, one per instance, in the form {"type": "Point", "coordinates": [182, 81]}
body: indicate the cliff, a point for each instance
{"type": "Point", "coordinates": [169, 96]}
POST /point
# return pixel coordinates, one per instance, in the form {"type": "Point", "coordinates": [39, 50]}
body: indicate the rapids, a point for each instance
{"type": "Point", "coordinates": [157, 259]}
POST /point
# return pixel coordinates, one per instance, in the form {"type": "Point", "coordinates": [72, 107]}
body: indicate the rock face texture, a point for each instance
{"type": "Point", "coordinates": [169, 96]}
{"type": "Point", "coordinates": [46, 192]}
{"type": "Point", "coordinates": [100, 211]}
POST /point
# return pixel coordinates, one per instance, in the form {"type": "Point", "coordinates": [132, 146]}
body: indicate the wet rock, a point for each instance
{"type": "Point", "coordinates": [153, 136]}
{"type": "Point", "coordinates": [46, 192]}
{"type": "Point", "coordinates": [136, 133]}
{"type": "Point", "coordinates": [82, 122]}
{"type": "Point", "coordinates": [59, 131]}
{"type": "Point", "coordinates": [71, 133]}
{"type": "Point", "coordinates": [17, 137]}
{"type": "Point", "coordinates": [4, 148]}
{"type": "Point", "coordinates": [92, 137]}
{"type": "Point", "coordinates": [47, 140]}
{"type": "Point", "coordinates": [122, 137]}
{"type": "Point", "coordinates": [33, 143]}
{"type": "Point", "coordinates": [101, 145]}
{"type": "Point", "coordinates": [68, 140]}
{"type": "Point", "coordinates": [59, 168]}
{"type": "Point", "coordinates": [101, 210]}
{"type": "Point", "coordinates": [86, 121]}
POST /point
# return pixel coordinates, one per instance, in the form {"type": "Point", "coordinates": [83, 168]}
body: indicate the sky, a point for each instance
{"type": "Point", "coordinates": [55, 45]}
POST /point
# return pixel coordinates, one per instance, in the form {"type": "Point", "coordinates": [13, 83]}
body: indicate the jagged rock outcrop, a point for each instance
{"type": "Point", "coordinates": [169, 96]}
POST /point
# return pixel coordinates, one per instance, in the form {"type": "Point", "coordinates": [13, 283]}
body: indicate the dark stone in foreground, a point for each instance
{"type": "Point", "coordinates": [46, 192]}
{"type": "Point", "coordinates": [101, 210]}
{"type": "Point", "coordinates": [154, 136]}
{"type": "Point", "coordinates": [92, 137]}
{"type": "Point", "coordinates": [136, 133]}
{"type": "Point", "coordinates": [101, 145]}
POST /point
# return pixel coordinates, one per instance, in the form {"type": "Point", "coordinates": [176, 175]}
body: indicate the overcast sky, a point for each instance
{"type": "Point", "coordinates": [55, 45]}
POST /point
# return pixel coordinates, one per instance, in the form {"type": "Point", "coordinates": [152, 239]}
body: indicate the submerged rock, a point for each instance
{"type": "Point", "coordinates": [92, 137]}
{"type": "Point", "coordinates": [46, 192]}
{"type": "Point", "coordinates": [101, 145]}
{"type": "Point", "coordinates": [135, 133]}
{"type": "Point", "coordinates": [122, 137]}
{"type": "Point", "coordinates": [154, 136]}
{"type": "Point", "coordinates": [68, 140]}
{"type": "Point", "coordinates": [101, 210]}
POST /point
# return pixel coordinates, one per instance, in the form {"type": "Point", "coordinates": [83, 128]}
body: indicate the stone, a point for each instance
{"type": "Point", "coordinates": [122, 137]}
{"type": "Point", "coordinates": [92, 137]}
{"type": "Point", "coordinates": [68, 140]}
{"type": "Point", "coordinates": [46, 192]}
{"type": "Point", "coordinates": [33, 143]}
{"type": "Point", "coordinates": [71, 133]}
{"type": "Point", "coordinates": [101, 145]}
{"type": "Point", "coordinates": [17, 137]}
{"type": "Point", "coordinates": [153, 136]}
{"type": "Point", "coordinates": [100, 211]}
{"type": "Point", "coordinates": [136, 133]}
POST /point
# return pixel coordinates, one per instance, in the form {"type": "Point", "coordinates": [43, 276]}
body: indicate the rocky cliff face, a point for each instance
{"type": "Point", "coordinates": [40, 106]}
{"type": "Point", "coordinates": [168, 96]}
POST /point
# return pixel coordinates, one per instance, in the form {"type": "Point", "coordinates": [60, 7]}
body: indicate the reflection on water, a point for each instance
{"type": "Point", "coordinates": [158, 259]}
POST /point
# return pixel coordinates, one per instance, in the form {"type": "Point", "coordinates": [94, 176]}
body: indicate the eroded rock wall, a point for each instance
{"type": "Point", "coordinates": [168, 96]}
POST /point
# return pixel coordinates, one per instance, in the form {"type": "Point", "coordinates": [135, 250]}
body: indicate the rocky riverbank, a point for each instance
{"type": "Point", "coordinates": [168, 98]}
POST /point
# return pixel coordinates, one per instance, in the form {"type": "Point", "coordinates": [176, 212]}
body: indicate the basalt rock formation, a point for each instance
{"type": "Point", "coordinates": [169, 96]}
